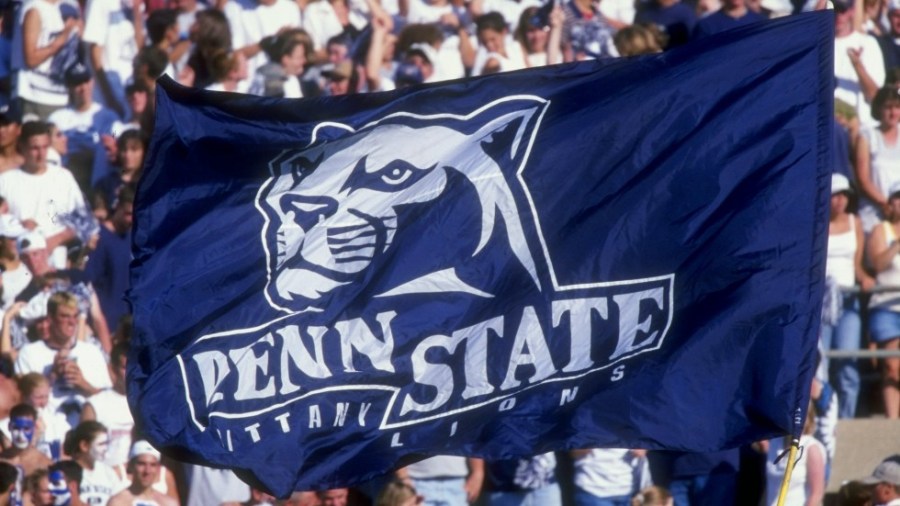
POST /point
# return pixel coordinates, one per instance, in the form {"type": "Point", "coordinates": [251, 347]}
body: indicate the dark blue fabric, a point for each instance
{"type": "Point", "coordinates": [890, 51]}
{"type": "Point", "coordinates": [618, 254]}
{"type": "Point", "coordinates": [841, 152]}
{"type": "Point", "coordinates": [107, 269]}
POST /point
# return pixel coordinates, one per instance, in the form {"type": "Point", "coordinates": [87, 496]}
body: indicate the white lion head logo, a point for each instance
{"type": "Point", "coordinates": [331, 209]}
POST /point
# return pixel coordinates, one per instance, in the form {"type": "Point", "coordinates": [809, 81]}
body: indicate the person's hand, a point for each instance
{"type": "Point", "coordinates": [39, 428]}
{"type": "Point", "coordinates": [186, 76]}
{"type": "Point", "coordinates": [382, 23]}
{"type": "Point", "coordinates": [58, 370]}
{"type": "Point", "coordinates": [450, 19]}
{"type": "Point", "coordinates": [473, 487]}
{"type": "Point", "coordinates": [72, 25]}
{"type": "Point", "coordinates": [109, 145]}
{"type": "Point", "coordinates": [815, 390]}
{"type": "Point", "coordinates": [13, 311]}
{"type": "Point", "coordinates": [29, 224]}
{"type": "Point", "coordinates": [855, 54]}
{"type": "Point", "coordinates": [867, 283]}
{"type": "Point", "coordinates": [761, 446]}
{"type": "Point", "coordinates": [557, 17]}
{"type": "Point", "coordinates": [638, 453]}
{"type": "Point", "coordinates": [74, 377]}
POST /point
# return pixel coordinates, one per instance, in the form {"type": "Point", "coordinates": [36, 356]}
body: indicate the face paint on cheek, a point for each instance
{"type": "Point", "coordinates": [99, 447]}
{"type": "Point", "coordinates": [61, 495]}
{"type": "Point", "coordinates": [22, 432]}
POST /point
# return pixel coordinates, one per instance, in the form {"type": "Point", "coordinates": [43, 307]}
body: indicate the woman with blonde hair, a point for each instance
{"type": "Point", "coordinates": [652, 496]}
{"type": "Point", "coordinates": [807, 487]}
{"type": "Point", "coordinates": [398, 493]}
{"type": "Point", "coordinates": [639, 39]}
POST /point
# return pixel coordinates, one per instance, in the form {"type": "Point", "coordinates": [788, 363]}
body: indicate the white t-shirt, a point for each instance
{"type": "Point", "coordinates": [884, 171]}
{"type": "Point", "coordinates": [797, 490]}
{"type": "Point", "coordinates": [320, 21]}
{"type": "Point", "coordinates": [610, 472]}
{"type": "Point", "coordinates": [38, 357]}
{"type": "Point", "coordinates": [255, 21]}
{"type": "Point", "coordinates": [41, 197]}
{"type": "Point", "coordinates": [113, 412]}
{"type": "Point", "coordinates": [13, 284]}
{"type": "Point", "coordinates": [514, 59]}
{"type": "Point", "coordinates": [619, 10]}
{"type": "Point", "coordinates": [214, 486]}
{"type": "Point", "coordinates": [847, 86]}
{"type": "Point", "coordinates": [439, 466]}
{"type": "Point", "coordinates": [99, 484]}
{"type": "Point", "coordinates": [107, 25]}
{"type": "Point", "coordinates": [42, 84]}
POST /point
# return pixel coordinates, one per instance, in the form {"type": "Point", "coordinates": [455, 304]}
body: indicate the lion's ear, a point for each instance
{"type": "Point", "coordinates": [523, 120]}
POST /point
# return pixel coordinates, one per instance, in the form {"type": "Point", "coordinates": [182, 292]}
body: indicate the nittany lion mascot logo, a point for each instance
{"type": "Point", "coordinates": [331, 207]}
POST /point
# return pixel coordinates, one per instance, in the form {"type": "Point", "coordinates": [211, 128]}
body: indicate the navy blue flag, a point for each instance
{"type": "Point", "coordinates": [621, 254]}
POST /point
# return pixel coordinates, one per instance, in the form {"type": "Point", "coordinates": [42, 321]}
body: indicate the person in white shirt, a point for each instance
{"type": "Point", "coordinates": [76, 369]}
{"type": "Point", "coordinates": [38, 193]}
{"type": "Point", "coordinates": [858, 63]}
{"type": "Point", "coordinates": [88, 444]}
{"type": "Point", "coordinates": [114, 29]}
{"type": "Point", "coordinates": [497, 51]}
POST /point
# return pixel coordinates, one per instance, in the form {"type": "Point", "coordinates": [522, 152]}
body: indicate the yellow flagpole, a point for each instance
{"type": "Point", "coordinates": [792, 455]}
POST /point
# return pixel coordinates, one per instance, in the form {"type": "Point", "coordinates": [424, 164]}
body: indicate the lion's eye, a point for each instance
{"type": "Point", "coordinates": [396, 176]}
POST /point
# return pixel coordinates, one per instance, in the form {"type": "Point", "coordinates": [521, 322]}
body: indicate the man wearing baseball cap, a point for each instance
{"type": "Point", "coordinates": [886, 479]}
{"type": "Point", "coordinates": [143, 465]}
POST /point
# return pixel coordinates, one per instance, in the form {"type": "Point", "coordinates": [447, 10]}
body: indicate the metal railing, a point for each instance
{"type": "Point", "coordinates": [864, 353]}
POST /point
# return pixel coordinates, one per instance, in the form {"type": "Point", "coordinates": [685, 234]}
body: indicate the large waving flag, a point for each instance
{"type": "Point", "coordinates": [621, 254]}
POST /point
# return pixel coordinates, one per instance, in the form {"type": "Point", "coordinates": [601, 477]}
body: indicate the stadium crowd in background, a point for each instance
{"type": "Point", "coordinates": [77, 81]}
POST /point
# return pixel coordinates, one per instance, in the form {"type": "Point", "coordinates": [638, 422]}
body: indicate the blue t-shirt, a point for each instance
{"type": "Point", "coordinates": [677, 21]}
{"type": "Point", "coordinates": [719, 22]}
{"type": "Point", "coordinates": [86, 155]}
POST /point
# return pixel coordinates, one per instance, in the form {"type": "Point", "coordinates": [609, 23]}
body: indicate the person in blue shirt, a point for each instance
{"type": "Point", "coordinates": [733, 13]}
{"type": "Point", "coordinates": [675, 18]}
{"type": "Point", "coordinates": [88, 125]}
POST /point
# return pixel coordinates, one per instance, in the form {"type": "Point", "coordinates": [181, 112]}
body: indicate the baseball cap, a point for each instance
{"type": "Point", "coordinates": [31, 241]}
{"type": "Point", "coordinates": [342, 70]}
{"type": "Point", "coordinates": [839, 183]}
{"type": "Point", "coordinates": [886, 472]}
{"type": "Point", "coordinates": [408, 73]}
{"type": "Point", "coordinates": [10, 114]}
{"type": "Point", "coordinates": [11, 227]}
{"type": "Point", "coordinates": [142, 447]}
{"type": "Point", "coordinates": [423, 49]}
{"type": "Point", "coordinates": [77, 74]}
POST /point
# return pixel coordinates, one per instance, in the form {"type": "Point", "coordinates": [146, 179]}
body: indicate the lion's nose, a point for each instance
{"type": "Point", "coordinates": [308, 210]}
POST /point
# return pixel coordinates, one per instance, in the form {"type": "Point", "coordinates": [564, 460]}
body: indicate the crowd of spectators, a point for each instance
{"type": "Point", "coordinates": [77, 83]}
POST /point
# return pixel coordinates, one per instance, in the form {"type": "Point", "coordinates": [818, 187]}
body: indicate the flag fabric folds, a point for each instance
{"type": "Point", "coordinates": [603, 254]}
